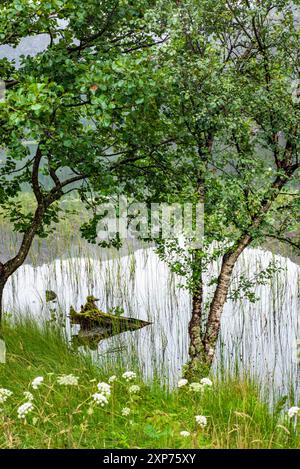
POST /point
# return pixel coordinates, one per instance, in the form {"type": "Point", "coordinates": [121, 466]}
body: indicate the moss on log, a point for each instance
{"type": "Point", "coordinates": [95, 325]}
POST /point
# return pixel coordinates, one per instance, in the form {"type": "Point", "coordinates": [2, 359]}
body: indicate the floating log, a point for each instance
{"type": "Point", "coordinates": [95, 325]}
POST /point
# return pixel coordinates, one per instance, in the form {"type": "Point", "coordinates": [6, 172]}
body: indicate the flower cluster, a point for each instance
{"type": "Point", "coordinates": [182, 382]}
{"type": "Point", "coordinates": [206, 382]}
{"type": "Point", "coordinates": [201, 420]}
{"type": "Point", "coordinates": [104, 388]}
{"type": "Point", "coordinates": [293, 412]}
{"type": "Point", "coordinates": [4, 395]}
{"type": "Point", "coordinates": [28, 396]}
{"type": "Point", "coordinates": [134, 389]}
{"type": "Point", "coordinates": [68, 380]}
{"type": "Point", "coordinates": [129, 375]}
{"type": "Point", "coordinates": [185, 433]}
{"type": "Point", "coordinates": [24, 409]}
{"type": "Point", "coordinates": [112, 379]}
{"type": "Point", "coordinates": [37, 382]}
{"type": "Point", "coordinates": [196, 387]}
{"type": "Point", "coordinates": [100, 399]}
{"type": "Point", "coordinates": [125, 411]}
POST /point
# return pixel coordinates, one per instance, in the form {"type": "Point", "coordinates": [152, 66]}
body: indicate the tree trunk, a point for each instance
{"type": "Point", "coordinates": [196, 362]}
{"type": "Point", "coordinates": [7, 269]}
{"type": "Point", "coordinates": [1, 298]}
{"type": "Point", "coordinates": [2, 342]}
{"type": "Point", "coordinates": [3, 281]}
{"type": "Point", "coordinates": [219, 299]}
{"type": "Point", "coordinates": [229, 260]}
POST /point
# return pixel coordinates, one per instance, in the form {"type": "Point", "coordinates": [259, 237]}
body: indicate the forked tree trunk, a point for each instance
{"type": "Point", "coordinates": [228, 262]}
{"type": "Point", "coordinates": [220, 297]}
{"type": "Point", "coordinates": [196, 362]}
{"type": "Point", "coordinates": [196, 350]}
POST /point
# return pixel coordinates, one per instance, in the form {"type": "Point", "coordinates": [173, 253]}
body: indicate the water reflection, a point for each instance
{"type": "Point", "coordinates": [261, 337]}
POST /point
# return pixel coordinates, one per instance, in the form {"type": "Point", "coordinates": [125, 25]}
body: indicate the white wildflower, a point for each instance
{"type": "Point", "coordinates": [100, 399]}
{"type": "Point", "coordinates": [112, 379]}
{"type": "Point", "coordinates": [201, 420]}
{"type": "Point", "coordinates": [196, 387]}
{"type": "Point", "coordinates": [4, 395]}
{"type": "Point", "coordinates": [28, 396]}
{"type": "Point", "coordinates": [182, 382]}
{"type": "Point", "coordinates": [37, 382]}
{"type": "Point", "coordinates": [104, 388]}
{"type": "Point", "coordinates": [184, 433]}
{"type": "Point", "coordinates": [24, 409]}
{"type": "Point", "coordinates": [68, 380]}
{"type": "Point", "coordinates": [126, 411]}
{"type": "Point", "coordinates": [129, 375]}
{"type": "Point", "coordinates": [206, 382]}
{"type": "Point", "coordinates": [293, 411]}
{"type": "Point", "coordinates": [134, 389]}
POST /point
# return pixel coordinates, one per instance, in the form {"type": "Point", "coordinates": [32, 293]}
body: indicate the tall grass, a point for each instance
{"type": "Point", "coordinates": [67, 416]}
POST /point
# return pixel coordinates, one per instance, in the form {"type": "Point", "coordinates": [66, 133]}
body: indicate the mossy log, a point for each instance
{"type": "Point", "coordinates": [95, 325]}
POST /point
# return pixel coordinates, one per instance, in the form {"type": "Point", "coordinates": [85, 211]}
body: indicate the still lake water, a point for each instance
{"type": "Point", "coordinates": [259, 338]}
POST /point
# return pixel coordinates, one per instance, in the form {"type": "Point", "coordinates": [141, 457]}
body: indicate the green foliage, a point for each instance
{"type": "Point", "coordinates": [75, 100]}
{"type": "Point", "coordinates": [228, 106]}
{"type": "Point", "coordinates": [163, 101]}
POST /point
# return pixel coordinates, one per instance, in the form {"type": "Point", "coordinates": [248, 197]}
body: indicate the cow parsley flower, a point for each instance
{"type": "Point", "coordinates": [28, 396]}
{"type": "Point", "coordinates": [184, 433]}
{"type": "Point", "coordinates": [24, 409]}
{"type": "Point", "coordinates": [4, 395]}
{"type": "Point", "coordinates": [134, 389]}
{"type": "Point", "coordinates": [112, 379]}
{"type": "Point", "coordinates": [182, 382]}
{"type": "Point", "coordinates": [68, 380]}
{"type": "Point", "coordinates": [201, 420]}
{"type": "Point", "coordinates": [37, 382]}
{"type": "Point", "coordinates": [126, 411]}
{"type": "Point", "coordinates": [196, 387]}
{"type": "Point", "coordinates": [293, 412]}
{"type": "Point", "coordinates": [129, 375]}
{"type": "Point", "coordinates": [100, 399]}
{"type": "Point", "coordinates": [104, 388]}
{"type": "Point", "coordinates": [206, 382]}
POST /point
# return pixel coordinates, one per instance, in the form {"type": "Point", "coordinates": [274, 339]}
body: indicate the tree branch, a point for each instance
{"type": "Point", "coordinates": [35, 175]}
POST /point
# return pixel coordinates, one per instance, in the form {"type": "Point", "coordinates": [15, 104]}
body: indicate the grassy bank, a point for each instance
{"type": "Point", "coordinates": [68, 416]}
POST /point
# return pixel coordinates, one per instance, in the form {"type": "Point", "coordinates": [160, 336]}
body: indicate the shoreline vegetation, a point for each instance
{"type": "Point", "coordinates": [53, 397]}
